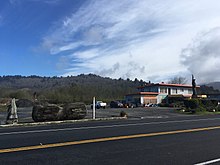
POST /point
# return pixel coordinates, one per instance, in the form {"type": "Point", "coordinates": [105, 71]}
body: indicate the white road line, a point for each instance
{"type": "Point", "coordinates": [209, 162]}
{"type": "Point", "coordinates": [103, 126]}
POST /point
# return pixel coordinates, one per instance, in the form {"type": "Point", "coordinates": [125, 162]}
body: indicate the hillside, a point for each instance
{"type": "Point", "coordinates": [73, 88]}
{"type": "Point", "coordinates": [215, 85]}
{"type": "Point", "coordinates": [67, 89]}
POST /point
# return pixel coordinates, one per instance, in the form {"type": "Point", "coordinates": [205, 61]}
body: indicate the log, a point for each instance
{"type": "Point", "coordinates": [74, 111]}
{"type": "Point", "coordinates": [52, 112]}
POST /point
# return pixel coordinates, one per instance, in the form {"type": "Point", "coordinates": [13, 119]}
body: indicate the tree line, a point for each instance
{"type": "Point", "coordinates": [67, 89]}
{"type": "Point", "coordinates": [81, 88]}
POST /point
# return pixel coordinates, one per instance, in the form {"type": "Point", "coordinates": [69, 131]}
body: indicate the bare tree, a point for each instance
{"type": "Point", "coordinates": [178, 80]}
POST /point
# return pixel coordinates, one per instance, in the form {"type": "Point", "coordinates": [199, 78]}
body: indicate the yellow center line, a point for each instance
{"type": "Point", "coordinates": [104, 139]}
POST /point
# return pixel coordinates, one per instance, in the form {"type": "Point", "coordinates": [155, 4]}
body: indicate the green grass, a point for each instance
{"type": "Point", "coordinates": [3, 108]}
{"type": "Point", "coordinates": [207, 113]}
{"type": "Point", "coordinates": [198, 112]}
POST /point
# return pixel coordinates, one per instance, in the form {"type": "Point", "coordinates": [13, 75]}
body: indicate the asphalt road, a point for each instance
{"type": "Point", "coordinates": [172, 140]}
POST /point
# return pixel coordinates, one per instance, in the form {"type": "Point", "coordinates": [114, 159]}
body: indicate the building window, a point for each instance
{"type": "Point", "coordinates": [175, 91]}
{"type": "Point", "coordinates": [190, 91]}
{"type": "Point", "coordinates": [163, 90]}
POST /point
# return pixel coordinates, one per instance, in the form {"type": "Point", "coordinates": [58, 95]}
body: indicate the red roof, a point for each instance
{"type": "Point", "coordinates": [171, 85]}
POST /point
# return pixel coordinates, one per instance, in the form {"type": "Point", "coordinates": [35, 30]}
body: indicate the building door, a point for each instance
{"type": "Point", "coordinates": [169, 91]}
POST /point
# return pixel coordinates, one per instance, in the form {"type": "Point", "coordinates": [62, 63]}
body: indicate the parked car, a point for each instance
{"type": "Point", "coordinates": [128, 104]}
{"type": "Point", "coordinates": [116, 104]}
{"type": "Point", "coordinates": [151, 105]}
{"type": "Point", "coordinates": [99, 104]}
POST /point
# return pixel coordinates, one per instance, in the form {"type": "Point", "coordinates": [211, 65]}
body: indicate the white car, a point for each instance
{"type": "Point", "coordinates": [99, 104]}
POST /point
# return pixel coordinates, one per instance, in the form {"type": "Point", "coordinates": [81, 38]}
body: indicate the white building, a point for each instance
{"type": "Point", "coordinates": [155, 93]}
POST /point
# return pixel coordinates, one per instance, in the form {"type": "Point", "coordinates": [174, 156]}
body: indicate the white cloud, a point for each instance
{"type": "Point", "coordinates": [127, 38]}
{"type": "Point", "coordinates": [202, 56]}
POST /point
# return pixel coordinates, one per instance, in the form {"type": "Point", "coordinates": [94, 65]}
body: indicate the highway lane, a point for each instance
{"type": "Point", "coordinates": [175, 148]}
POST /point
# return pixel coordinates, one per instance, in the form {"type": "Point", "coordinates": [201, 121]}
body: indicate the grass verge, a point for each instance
{"type": "Point", "coordinates": [198, 112]}
{"type": "Point", "coordinates": [3, 108]}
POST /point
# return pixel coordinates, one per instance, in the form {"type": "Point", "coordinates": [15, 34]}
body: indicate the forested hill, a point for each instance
{"type": "Point", "coordinates": [67, 89]}
{"type": "Point", "coordinates": [215, 85]}
{"type": "Point", "coordinates": [37, 82]}
{"type": "Point", "coordinates": [73, 88]}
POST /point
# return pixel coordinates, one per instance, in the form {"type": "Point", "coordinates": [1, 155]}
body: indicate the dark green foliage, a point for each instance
{"type": "Point", "coordinates": [163, 105]}
{"type": "Point", "coordinates": [179, 104]}
{"type": "Point", "coordinates": [201, 105]}
{"type": "Point", "coordinates": [191, 104]}
{"type": "Point", "coordinates": [80, 88]}
{"type": "Point", "coordinates": [210, 105]}
{"type": "Point", "coordinates": [217, 108]}
{"type": "Point", "coordinates": [194, 105]}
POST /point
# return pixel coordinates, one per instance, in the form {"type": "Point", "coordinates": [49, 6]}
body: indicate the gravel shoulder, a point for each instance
{"type": "Point", "coordinates": [25, 114]}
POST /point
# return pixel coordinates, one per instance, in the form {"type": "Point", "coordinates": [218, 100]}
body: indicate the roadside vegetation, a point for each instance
{"type": "Point", "coordinates": [199, 106]}
{"type": "Point", "coordinates": [3, 108]}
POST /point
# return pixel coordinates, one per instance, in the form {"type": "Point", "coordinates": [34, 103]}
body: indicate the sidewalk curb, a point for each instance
{"type": "Point", "coordinates": [59, 122]}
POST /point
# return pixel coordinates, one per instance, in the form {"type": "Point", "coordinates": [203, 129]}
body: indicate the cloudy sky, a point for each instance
{"type": "Point", "coordinates": [145, 39]}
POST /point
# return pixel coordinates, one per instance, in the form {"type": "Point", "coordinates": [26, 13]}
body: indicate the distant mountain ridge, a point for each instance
{"type": "Point", "coordinates": [215, 85]}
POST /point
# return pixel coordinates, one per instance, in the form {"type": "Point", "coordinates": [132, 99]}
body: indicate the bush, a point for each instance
{"type": "Point", "coordinates": [179, 104]}
{"type": "Point", "coordinates": [217, 108]}
{"type": "Point", "coordinates": [194, 105]}
{"type": "Point", "coordinates": [210, 105]}
{"type": "Point", "coordinates": [164, 105]}
{"type": "Point", "coordinates": [123, 114]}
{"type": "Point", "coordinates": [211, 108]}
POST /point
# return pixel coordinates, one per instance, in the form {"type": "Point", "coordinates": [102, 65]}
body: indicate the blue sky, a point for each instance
{"type": "Point", "coordinates": [148, 39]}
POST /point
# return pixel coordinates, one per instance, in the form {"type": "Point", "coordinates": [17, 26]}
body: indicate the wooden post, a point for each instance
{"type": "Point", "coordinates": [93, 109]}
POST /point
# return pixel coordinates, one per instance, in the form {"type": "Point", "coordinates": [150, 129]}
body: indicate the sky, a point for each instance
{"type": "Point", "coordinates": [152, 40]}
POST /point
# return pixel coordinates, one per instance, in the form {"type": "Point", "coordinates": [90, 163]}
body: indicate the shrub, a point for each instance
{"type": "Point", "coordinates": [211, 108]}
{"type": "Point", "coordinates": [217, 108]}
{"type": "Point", "coordinates": [210, 105]}
{"type": "Point", "coordinates": [163, 105]}
{"type": "Point", "coordinates": [179, 104]}
{"type": "Point", "coordinates": [123, 114]}
{"type": "Point", "coordinates": [194, 105]}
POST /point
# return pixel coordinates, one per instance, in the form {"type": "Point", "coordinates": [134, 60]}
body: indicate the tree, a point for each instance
{"type": "Point", "coordinates": [178, 80]}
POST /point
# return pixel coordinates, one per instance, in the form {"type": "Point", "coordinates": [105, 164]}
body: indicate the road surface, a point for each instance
{"type": "Point", "coordinates": [173, 140]}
